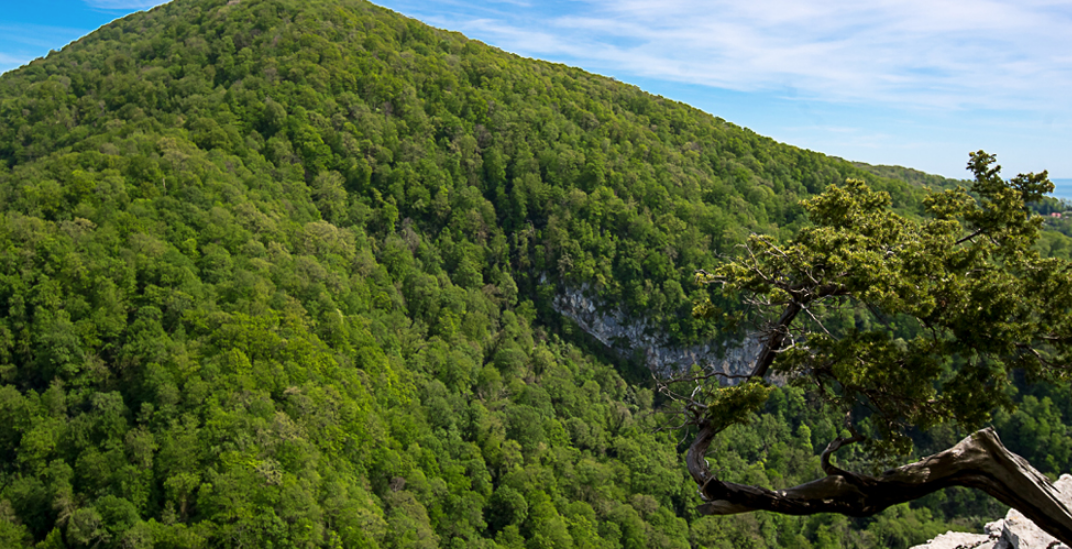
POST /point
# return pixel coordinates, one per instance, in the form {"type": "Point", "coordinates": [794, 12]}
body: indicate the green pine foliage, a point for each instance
{"type": "Point", "coordinates": [278, 273]}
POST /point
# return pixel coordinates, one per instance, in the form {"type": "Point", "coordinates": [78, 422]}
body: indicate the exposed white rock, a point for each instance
{"type": "Point", "coordinates": [961, 540]}
{"type": "Point", "coordinates": [612, 327]}
{"type": "Point", "coordinates": [1014, 531]}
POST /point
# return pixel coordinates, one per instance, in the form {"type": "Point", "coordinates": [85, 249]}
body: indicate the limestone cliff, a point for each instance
{"type": "Point", "coordinates": [630, 336]}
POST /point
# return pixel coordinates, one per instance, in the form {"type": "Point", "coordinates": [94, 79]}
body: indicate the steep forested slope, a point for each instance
{"type": "Point", "coordinates": [559, 172]}
{"type": "Point", "coordinates": [278, 274]}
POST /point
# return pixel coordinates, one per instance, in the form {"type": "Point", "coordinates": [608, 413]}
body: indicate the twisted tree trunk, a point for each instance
{"type": "Point", "coordinates": [979, 461]}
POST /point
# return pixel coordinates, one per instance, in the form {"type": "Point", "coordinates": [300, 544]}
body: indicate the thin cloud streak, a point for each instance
{"type": "Point", "coordinates": [20, 44]}
{"type": "Point", "coordinates": [41, 37]}
{"type": "Point", "coordinates": [124, 4]}
{"type": "Point", "coordinates": [10, 62]}
{"type": "Point", "coordinates": [952, 54]}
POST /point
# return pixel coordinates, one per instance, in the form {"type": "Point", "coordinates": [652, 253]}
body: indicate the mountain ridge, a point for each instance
{"type": "Point", "coordinates": [745, 217]}
{"type": "Point", "coordinates": [282, 273]}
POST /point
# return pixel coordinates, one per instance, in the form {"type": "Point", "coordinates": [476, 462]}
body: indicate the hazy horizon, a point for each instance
{"type": "Point", "coordinates": [1062, 187]}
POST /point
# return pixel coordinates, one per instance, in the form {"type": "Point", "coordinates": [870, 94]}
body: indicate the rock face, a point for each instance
{"type": "Point", "coordinates": [1014, 531]}
{"type": "Point", "coordinates": [613, 328]}
{"type": "Point", "coordinates": [960, 540]}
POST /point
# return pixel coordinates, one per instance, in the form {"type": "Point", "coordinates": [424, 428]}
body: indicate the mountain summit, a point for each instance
{"type": "Point", "coordinates": [280, 273]}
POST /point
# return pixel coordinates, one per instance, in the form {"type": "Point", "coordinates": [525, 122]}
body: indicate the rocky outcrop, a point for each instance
{"type": "Point", "coordinates": [1012, 532]}
{"type": "Point", "coordinates": [959, 540]}
{"type": "Point", "coordinates": [630, 336]}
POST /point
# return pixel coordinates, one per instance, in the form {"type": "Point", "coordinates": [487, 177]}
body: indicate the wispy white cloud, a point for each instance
{"type": "Point", "coordinates": [38, 37]}
{"type": "Point", "coordinates": [20, 44]}
{"type": "Point", "coordinates": [10, 62]}
{"type": "Point", "coordinates": [518, 3]}
{"type": "Point", "coordinates": [124, 4]}
{"type": "Point", "coordinates": [936, 54]}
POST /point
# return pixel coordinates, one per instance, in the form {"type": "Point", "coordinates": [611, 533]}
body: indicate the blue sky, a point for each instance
{"type": "Point", "coordinates": [912, 82]}
{"type": "Point", "coordinates": [30, 28]}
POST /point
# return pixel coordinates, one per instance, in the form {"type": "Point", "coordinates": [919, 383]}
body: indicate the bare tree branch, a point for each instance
{"type": "Point", "coordinates": [775, 338]}
{"type": "Point", "coordinates": [834, 446]}
{"type": "Point", "coordinates": [970, 236]}
{"type": "Point", "coordinates": [979, 461]}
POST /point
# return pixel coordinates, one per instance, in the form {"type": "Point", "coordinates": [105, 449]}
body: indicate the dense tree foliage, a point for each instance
{"type": "Point", "coordinates": [529, 167]}
{"type": "Point", "coordinates": [902, 325]}
{"type": "Point", "coordinates": [278, 274]}
{"type": "Point", "coordinates": [911, 175]}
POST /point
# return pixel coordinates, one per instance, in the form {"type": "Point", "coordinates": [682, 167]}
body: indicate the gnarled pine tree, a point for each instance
{"type": "Point", "coordinates": [900, 322]}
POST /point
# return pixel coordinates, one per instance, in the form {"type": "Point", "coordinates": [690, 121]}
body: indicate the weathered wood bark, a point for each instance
{"type": "Point", "coordinates": [979, 461]}
{"type": "Point", "coordinates": [775, 341]}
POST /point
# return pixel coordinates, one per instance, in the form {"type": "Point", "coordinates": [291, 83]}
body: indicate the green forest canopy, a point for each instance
{"type": "Point", "coordinates": [271, 273]}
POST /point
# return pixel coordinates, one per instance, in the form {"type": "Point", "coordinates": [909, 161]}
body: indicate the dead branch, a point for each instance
{"type": "Point", "coordinates": [979, 461]}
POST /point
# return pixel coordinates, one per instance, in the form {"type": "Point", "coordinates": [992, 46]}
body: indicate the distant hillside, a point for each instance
{"type": "Point", "coordinates": [910, 175]}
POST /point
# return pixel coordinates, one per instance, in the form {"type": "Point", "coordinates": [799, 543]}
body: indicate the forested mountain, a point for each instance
{"type": "Point", "coordinates": [278, 273]}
